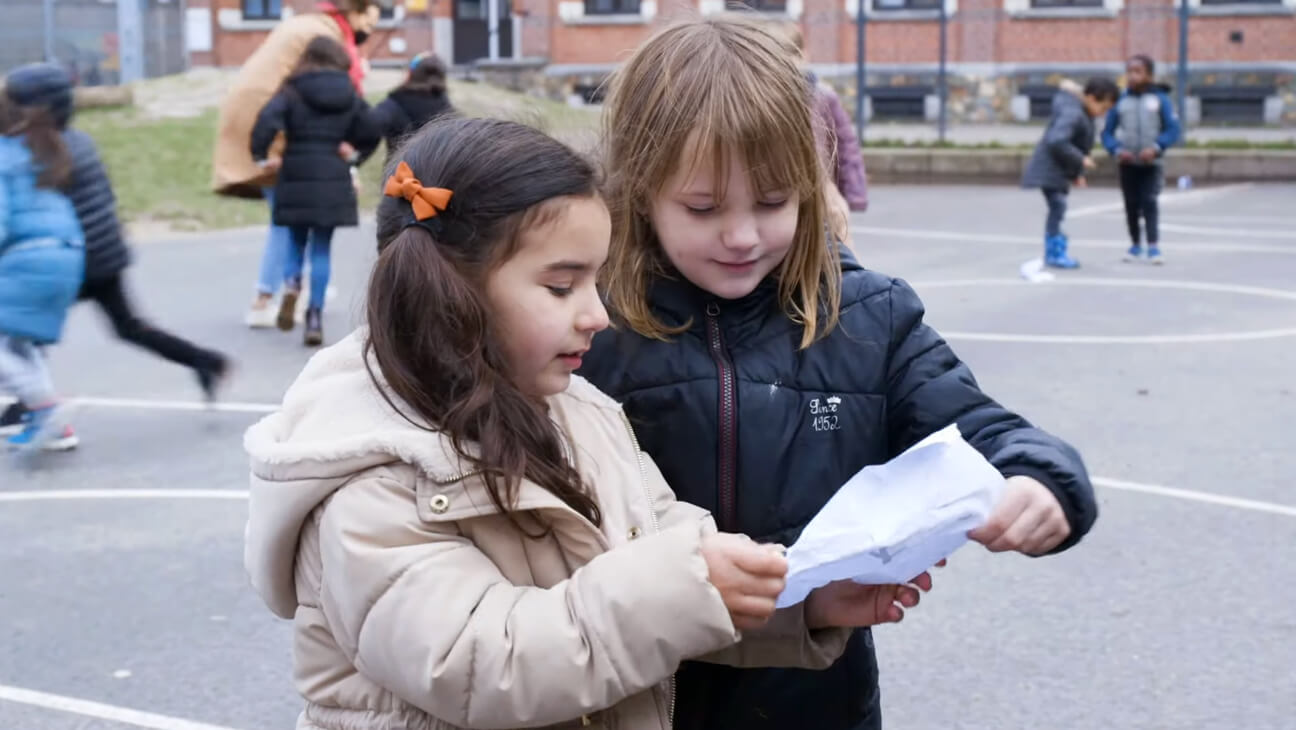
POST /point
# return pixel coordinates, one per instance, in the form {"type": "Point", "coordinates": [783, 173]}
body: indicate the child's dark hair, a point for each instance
{"type": "Point", "coordinates": [430, 331]}
{"type": "Point", "coordinates": [1146, 60]}
{"type": "Point", "coordinates": [40, 131]}
{"type": "Point", "coordinates": [323, 54]}
{"type": "Point", "coordinates": [427, 75]}
{"type": "Point", "coordinates": [1101, 88]}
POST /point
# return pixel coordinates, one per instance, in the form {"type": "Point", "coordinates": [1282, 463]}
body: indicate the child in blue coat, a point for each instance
{"type": "Point", "coordinates": [42, 261]}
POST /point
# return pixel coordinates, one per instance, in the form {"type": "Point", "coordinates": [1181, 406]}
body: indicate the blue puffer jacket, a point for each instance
{"type": "Point", "coordinates": [762, 434]}
{"type": "Point", "coordinates": [42, 259]}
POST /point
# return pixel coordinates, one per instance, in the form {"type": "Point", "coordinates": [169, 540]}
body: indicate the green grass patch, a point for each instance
{"type": "Point", "coordinates": [161, 168]}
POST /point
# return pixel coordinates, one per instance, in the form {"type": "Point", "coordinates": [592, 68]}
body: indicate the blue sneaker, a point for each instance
{"type": "Point", "coordinates": [44, 427]}
{"type": "Point", "coordinates": [1055, 254]}
{"type": "Point", "coordinates": [1154, 255]}
{"type": "Point", "coordinates": [1134, 253]}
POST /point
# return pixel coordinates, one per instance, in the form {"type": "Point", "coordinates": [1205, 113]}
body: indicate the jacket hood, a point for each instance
{"type": "Point", "coordinates": [327, 91]}
{"type": "Point", "coordinates": [333, 424]}
{"type": "Point", "coordinates": [1070, 94]}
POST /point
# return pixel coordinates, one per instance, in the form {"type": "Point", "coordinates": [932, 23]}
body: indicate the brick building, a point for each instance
{"type": "Point", "coordinates": [1004, 56]}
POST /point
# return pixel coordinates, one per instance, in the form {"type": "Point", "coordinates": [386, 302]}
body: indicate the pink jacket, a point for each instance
{"type": "Point", "coordinates": [838, 147]}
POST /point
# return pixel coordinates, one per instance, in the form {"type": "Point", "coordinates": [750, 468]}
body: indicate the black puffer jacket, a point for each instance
{"type": "Point", "coordinates": [404, 111]}
{"type": "Point", "coordinates": [1059, 157]}
{"type": "Point", "coordinates": [96, 207]}
{"type": "Point", "coordinates": [317, 111]}
{"type": "Point", "coordinates": [761, 434]}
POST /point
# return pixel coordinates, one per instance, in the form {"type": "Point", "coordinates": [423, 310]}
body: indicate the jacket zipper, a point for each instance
{"type": "Point", "coordinates": [727, 456]}
{"type": "Point", "coordinates": [652, 513]}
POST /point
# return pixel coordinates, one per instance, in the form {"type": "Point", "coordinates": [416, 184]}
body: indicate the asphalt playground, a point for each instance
{"type": "Point", "coordinates": [124, 602]}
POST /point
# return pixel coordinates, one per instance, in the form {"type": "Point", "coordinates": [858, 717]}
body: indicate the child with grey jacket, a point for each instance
{"type": "Point", "coordinates": [1140, 128]}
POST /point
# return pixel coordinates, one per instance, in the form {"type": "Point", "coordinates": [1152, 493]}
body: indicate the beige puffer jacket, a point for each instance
{"type": "Point", "coordinates": [419, 606]}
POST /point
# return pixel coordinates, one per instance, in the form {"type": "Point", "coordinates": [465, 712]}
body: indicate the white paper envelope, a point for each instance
{"type": "Point", "coordinates": [893, 521]}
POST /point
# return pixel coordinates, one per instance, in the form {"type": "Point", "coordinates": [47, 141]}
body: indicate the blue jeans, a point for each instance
{"type": "Point", "coordinates": [1057, 205]}
{"type": "Point", "coordinates": [320, 241]}
{"type": "Point", "coordinates": [276, 251]}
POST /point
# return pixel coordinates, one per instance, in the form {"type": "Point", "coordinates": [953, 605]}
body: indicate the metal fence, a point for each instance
{"type": "Point", "coordinates": [84, 36]}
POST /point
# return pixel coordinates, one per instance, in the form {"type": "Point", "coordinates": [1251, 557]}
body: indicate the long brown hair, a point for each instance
{"type": "Point", "coordinates": [721, 86]}
{"type": "Point", "coordinates": [430, 328]}
{"type": "Point", "coordinates": [40, 131]}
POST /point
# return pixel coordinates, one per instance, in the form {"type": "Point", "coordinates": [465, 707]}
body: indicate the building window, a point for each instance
{"type": "Point", "coordinates": [908, 103]}
{"type": "Point", "coordinates": [611, 7]}
{"type": "Point", "coordinates": [1241, 2]}
{"type": "Point", "coordinates": [387, 14]}
{"type": "Point", "coordinates": [888, 5]}
{"type": "Point", "coordinates": [767, 6]}
{"type": "Point", "coordinates": [262, 9]}
{"type": "Point", "coordinates": [1066, 3]}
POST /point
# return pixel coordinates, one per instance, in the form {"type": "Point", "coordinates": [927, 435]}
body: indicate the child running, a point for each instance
{"type": "Point", "coordinates": [763, 367]}
{"type": "Point", "coordinates": [465, 534]}
{"type": "Point", "coordinates": [317, 110]}
{"type": "Point", "coordinates": [1061, 158]}
{"type": "Point", "coordinates": [106, 251]}
{"type": "Point", "coordinates": [41, 265]}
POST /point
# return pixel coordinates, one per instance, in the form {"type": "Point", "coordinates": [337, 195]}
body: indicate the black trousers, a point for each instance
{"type": "Point", "coordinates": [1056, 199]}
{"type": "Point", "coordinates": [110, 295]}
{"type": "Point", "coordinates": [1140, 186]}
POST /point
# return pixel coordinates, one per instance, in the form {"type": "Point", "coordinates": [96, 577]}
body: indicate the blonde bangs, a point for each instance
{"type": "Point", "coordinates": [698, 92]}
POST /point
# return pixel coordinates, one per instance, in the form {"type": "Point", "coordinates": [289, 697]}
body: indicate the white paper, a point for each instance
{"type": "Point", "coordinates": [893, 521]}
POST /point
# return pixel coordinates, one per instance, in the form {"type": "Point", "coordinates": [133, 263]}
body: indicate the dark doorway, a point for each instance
{"type": "Point", "coordinates": [472, 33]}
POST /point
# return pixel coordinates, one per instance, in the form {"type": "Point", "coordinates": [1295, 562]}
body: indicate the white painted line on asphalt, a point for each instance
{"type": "Point", "coordinates": [1230, 232]}
{"type": "Point", "coordinates": [101, 711]}
{"type": "Point", "coordinates": [174, 405]}
{"type": "Point", "coordinates": [1169, 198]}
{"type": "Point", "coordinates": [1207, 286]}
{"type": "Point", "coordinates": [1155, 339]}
{"type": "Point", "coordinates": [48, 495]}
{"type": "Point", "coordinates": [1194, 496]}
{"type": "Point", "coordinates": [1198, 339]}
{"type": "Point", "coordinates": [1236, 219]}
{"type": "Point", "coordinates": [71, 495]}
{"type": "Point", "coordinates": [1119, 244]}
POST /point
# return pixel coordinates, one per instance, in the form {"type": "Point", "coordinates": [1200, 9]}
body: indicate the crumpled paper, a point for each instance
{"type": "Point", "coordinates": [890, 522]}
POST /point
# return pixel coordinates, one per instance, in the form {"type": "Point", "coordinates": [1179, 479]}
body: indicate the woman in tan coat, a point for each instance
{"type": "Point", "coordinates": [467, 535]}
{"type": "Point", "coordinates": [234, 172]}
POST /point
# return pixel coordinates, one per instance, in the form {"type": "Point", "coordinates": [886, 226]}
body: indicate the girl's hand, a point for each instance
{"type": "Point", "coordinates": [847, 603]}
{"type": "Point", "coordinates": [749, 576]}
{"type": "Point", "coordinates": [1027, 519]}
{"type": "Point", "coordinates": [270, 164]}
{"type": "Point", "coordinates": [1081, 182]}
{"type": "Point", "coordinates": [1089, 163]}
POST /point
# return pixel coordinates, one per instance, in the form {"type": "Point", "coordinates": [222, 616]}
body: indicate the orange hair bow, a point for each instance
{"type": "Point", "coordinates": [427, 202]}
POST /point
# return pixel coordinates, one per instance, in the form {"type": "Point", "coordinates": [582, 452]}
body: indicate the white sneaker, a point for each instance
{"type": "Point", "coordinates": [260, 318]}
{"type": "Point", "coordinates": [65, 441]}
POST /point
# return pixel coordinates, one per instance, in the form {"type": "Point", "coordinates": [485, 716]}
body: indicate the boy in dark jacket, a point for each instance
{"type": "Point", "coordinates": [106, 253]}
{"type": "Point", "coordinates": [317, 109]}
{"type": "Point", "coordinates": [1062, 157]}
{"type": "Point", "coordinates": [1140, 128]}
